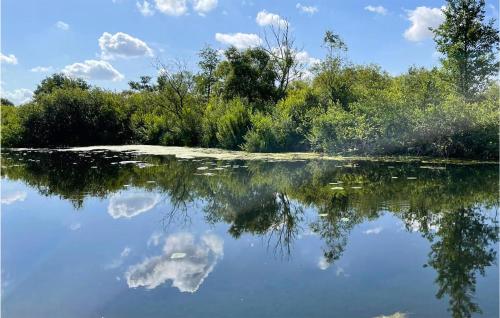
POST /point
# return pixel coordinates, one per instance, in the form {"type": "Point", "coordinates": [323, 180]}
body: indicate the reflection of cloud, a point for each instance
{"type": "Point", "coordinates": [375, 230]}
{"type": "Point", "coordinates": [10, 198]}
{"type": "Point", "coordinates": [186, 262]}
{"type": "Point", "coordinates": [119, 261]}
{"type": "Point", "coordinates": [416, 226]}
{"type": "Point", "coordinates": [154, 239]}
{"type": "Point", "coordinates": [131, 204]}
{"type": "Point", "coordinates": [341, 272]}
{"type": "Point", "coordinates": [75, 226]}
{"type": "Point", "coordinates": [394, 315]}
{"type": "Point", "coordinates": [323, 263]}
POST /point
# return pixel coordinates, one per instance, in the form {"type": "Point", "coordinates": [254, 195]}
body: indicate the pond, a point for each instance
{"type": "Point", "coordinates": [120, 234]}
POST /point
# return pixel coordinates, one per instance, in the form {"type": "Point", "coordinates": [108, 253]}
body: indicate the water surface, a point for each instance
{"type": "Point", "coordinates": [109, 234]}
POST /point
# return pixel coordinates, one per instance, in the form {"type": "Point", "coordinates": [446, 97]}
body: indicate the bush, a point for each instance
{"type": "Point", "coordinates": [75, 117]}
{"type": "Point", "coordinates": [263, 136]}
{"type": "Point", "coordinates": [11, 128]}
{"type": "Point", "coordinates": [233, 124]}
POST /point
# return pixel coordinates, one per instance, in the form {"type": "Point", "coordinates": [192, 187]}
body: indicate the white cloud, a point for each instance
{"type": "Point", "coordinates": [11, 198]}
{"type": "Point", "coordinates": [307, 9]}
{"type": "Point", "coordinates": [18, 96]}
{"type": "Point", "coordinates": [239, 40]}
{"type": "Point", "coordinates": [122, 45]}
{"type": "Point", "coordinates": [265, 18]}
{"type": "Point", "coordinates": [62, 25]}
{"type": "Point", "coordinates": [375, 230]}
{"type": "Point", "coordinates": [204, 6]}
{"type": "Point", "coordinates": [131, 204]}
{"type": "Point", "coordinates": [145, 8]}
{"type": "Point", "coordinates": [184, 261]}
{"type": "Point", "coordinates": [93, 70]}
{"type": "Point", "coordinates": [172, 7]}
{"type": "Point", "coordinates": [423, 18]}
{"type": "Point", "coordinates": [376, 9]}
{"type": "Point", "coordinates": [41, 69]}
{"type": "Point", "coordinates": [304, 58]}
{"type": "Point", "coordinates": [8, 59]}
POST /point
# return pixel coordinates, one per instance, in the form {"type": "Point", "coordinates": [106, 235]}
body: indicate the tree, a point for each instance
{"type": "Point", "coordinates": [142, 85]}
{"type": "Point", "coordinates": [248, 74]}
{"type": "Point", "coordinates": [280, 45]}
{"type": "Point", "coordinates": [209, 59]}
{"type": "Point", "coordinates": [6, 102]}
{"type": "Point", "coordinates": [333, 74]}
{"type": "Point", "coordinates": [59, 81]}
{"type": "Point", "coordinates": [177, 84]}
{"type": "Point", "coordinates": [469, 46]}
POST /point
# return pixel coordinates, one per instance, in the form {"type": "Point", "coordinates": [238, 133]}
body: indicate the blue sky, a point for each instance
{"type": "Point", "coordinates": [110, 42]}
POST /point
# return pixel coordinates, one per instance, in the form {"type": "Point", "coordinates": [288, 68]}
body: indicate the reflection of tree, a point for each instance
{"type": "Point", "coordinates": [259, 210]}
{"type": "Point", "coordinates": [268, 200]}
{"type": "Point", "coordinates": [464, 248]}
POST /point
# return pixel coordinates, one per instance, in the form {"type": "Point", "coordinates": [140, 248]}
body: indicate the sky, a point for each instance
{"type": "Point", "coordinates": [110, 42]}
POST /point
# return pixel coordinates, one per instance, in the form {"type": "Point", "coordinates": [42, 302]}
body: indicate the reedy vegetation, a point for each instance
{"type": "Point", "coordinates": [258, 99]}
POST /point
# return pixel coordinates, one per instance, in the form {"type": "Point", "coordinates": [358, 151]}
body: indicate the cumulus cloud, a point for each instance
{"type": "Point", "coordinates": [10, 198]}
{"type": "Point", "coordinates": [376, 9]}
{"type": "Point", "coordinates": [307, 62]}
{"type": "Point", "coordinates": [62, 25]}
{"type": "Point", "coordinates": [8, 59]}
{"type": "Point", "coordinates": [307, 9]}
{"type": "Point", "coordinates": [93, 70]}
{"type": "Point", "coordinates": [184, 261]}
{"type": "Point", "coordinates": [127, 205]}
{"type": "Point", "coordinates": [304, 58]}
{"type": "Point", "coordinates": [265, 18]}
{"type": "Point", "coordinates": [239, 40]}
{"type": "Point", "coordinates": [154, 239]}
{"type": "Point", "coordinates": [423, 18]}
{"type": "Point", "coordinates": [41, 69]}
{"type": "Point", "coordinates": [145, 8]}
{"type": "Point", "coordinates": [122, 45]}
{"type": "Point", "coordinates": [172, 7]}
{"type": "Point", "coordinates": [18, 96]}
{"type": "Point", "coordinates": [204, 6]}
{"type": "Point", "coordinates": [375, 230]}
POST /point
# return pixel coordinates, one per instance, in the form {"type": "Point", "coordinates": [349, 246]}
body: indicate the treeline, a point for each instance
{"type": "Point", "coordinates": [264, 99]}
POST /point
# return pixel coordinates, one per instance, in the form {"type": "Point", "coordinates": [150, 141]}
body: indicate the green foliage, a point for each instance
{"type": "Point", "coordinates": [71, 117]}
{"type": "Point", "coordinates": [233, 124]}
{"type": "Point", "coordinates": [253, 101]}
{"type": "Point", "coordinates": [11, 128]}
{"type": "Point", "coordinates": [469, 45]}
{"type": "Point", "coordinates": [248, 74]}
{"type": "Point", "coordinates": [6, 102]}
{"type": "Point", "coordinates": [209, 59]}
{"type": "Point", "coordinates": [59, 81]}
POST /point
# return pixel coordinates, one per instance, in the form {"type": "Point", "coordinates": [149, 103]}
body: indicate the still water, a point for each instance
{"type": "Point", "coordinates": [108, 234]}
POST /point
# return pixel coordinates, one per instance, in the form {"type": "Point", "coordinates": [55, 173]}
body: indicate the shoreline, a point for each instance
{"type": "Point", "coordinates": [222, 154]}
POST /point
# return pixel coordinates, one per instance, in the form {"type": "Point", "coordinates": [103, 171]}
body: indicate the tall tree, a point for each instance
{"type": "Point", "coordinates": [469, 45]}
{"type": "Point", "coordinates": [279, 43]}
{"type": "Point", "coordinates": [209, 59]}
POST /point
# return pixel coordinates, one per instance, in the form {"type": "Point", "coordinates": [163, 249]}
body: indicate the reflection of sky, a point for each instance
{"type": "Point", "coordinates": [12, 197]}
{"type": "Point", "coordinates": [127, 205]}
{"type": "Point", "coordinates": [43, 259]}
{"type": "Point", "coordinates": [187, 273]}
